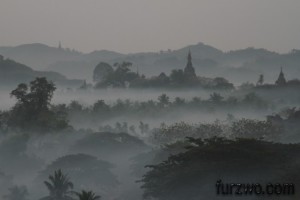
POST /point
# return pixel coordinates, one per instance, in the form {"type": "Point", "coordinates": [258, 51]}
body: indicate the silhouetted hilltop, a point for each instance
{"type": "Point", "coordinates": [103, 55]}
{"type": "Point", "coordinates": [200, 51]}
{"type": "Point", "coordinates": [12, 73]}
{"type": "Point", "coordinates": [251, 53]}
{"type": "Point", "coordinates": [238, 66]}
{"type": "Point", "coordinates": [238, 57]}
{"type": "Point", "coordinates": [39, 56]}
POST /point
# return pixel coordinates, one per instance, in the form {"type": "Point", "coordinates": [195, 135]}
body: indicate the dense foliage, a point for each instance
{"type": "Point", "coordinates": [193, 173]}
{"type": "Point", "coordinates": [33, 110]}
{"type": "Point", "coordinates": [184, 159]}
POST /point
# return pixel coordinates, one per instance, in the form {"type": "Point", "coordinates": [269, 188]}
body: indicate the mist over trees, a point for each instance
{"type": "Point", "coordinates": [196, 126]}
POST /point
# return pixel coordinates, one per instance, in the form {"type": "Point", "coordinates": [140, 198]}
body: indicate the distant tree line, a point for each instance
{"type": "Point", "coordinates": [34, 112]}
{"type": "Point", "coordinates": [101, 110]}
{"type": "Point", "coordinates": [122, 76]}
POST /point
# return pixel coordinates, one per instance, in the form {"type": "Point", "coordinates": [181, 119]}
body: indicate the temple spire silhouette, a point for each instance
{"type": "Point", "coordinates": [189, 70]}
{"type": "Point", "coordinates": [281, 79]}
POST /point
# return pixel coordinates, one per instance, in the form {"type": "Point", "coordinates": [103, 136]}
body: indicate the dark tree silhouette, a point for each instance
{"type": "Point", "coordinates": [33, 109]}
{"type": "Point", "coordinates": [216, 98]}
{"type": "Point", "coordinates": [87, 195]}
{"type": "Point", "coordinates": [39, 96]}
{"type": "Point", "coordinates": [59, 187]}
{"type": "Point", "coordinates": [164, 100]}
{"type": "Point", "coordinates": [260, 80]}
{"type": "Point", "coordinates": [186, 175]}
{"type": "Point", "coordinates": [85, 169]}
{"type": "Point", "coordinates": [122, 76]}
{"type": "Point", "coordinates": [41, 92]}
{"type": "Point", "coordinates": [102, 71]}
{"type": "Point", "coordinates": [177, 76]}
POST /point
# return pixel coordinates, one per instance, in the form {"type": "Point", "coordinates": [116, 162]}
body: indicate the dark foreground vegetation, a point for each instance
{"type": "Point", "coordinates": [193, 173]}
{"type": "Point", "coordinates": [183, 160]}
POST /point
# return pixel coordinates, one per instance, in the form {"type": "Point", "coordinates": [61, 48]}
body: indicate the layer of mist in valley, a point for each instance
{"type": "Point", "coordinates": [105, 127]}
{"type": "Point", "coordinates": [149, 100]}
{"type": "Point", "coordinates": [120, 145]}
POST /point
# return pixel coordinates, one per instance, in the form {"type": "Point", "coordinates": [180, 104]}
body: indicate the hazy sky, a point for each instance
{"type": "Point", "coordinates": [151, 25]}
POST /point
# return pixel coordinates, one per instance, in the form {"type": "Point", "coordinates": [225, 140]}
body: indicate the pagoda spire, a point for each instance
{"type": "Point", "coordinates": [189, 70]}
{"type": "Point", "coordinates": [281, 79]}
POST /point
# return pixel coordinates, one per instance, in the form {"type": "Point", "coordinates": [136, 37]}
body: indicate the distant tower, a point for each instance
{"type": "Point", "coordinates": [59, 45]}
{"type": "Point", "coordinates": [189, 70]}
{"type": "Point", "coordinates": [281, 80]}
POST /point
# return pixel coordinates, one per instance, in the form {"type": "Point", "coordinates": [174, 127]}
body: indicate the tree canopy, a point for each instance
{"type": "Point", "coordinates": [33, 110]}
{"type": "Point", "coordinates": [192, 174]}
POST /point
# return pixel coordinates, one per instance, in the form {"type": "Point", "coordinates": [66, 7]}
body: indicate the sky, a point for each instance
{"type": "Point", "coordinates": [130, 26]}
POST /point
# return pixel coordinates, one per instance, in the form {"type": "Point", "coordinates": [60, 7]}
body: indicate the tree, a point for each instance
{"type": "Point", "coordinates": [167, 134]}
{"type": "Point", "coordinates": [164, 100]}
{"type": "Point", "coordinates": [222, 83]}
{"type": "Point", "coordinates": [248, 128]}
{"type": "Point", "coordinates": [177, 76]}
{"type": "Point", "coordinates": [216, 98]}
{"type": "Point", "coordinates": [179, 101]}
{"type": "Point", "coordinates": [186, 175]}
{"type": "Point", "coordinates": [246, 86]}
{"type": "Point", "coordinates": [84, 169]}
{"type": "Point", "coordinates": [124, 65]}
{"type": "Point", "coordinates": [20, 93]}
{"type": "Point", "coordinates": [100, 107]}
{"type": "Point", "coordinates": [87, 195]}
{"type": "Point", "coordinates": [162, 79]}
{"type": "Point", "coordinates": [41, 92]}
{"type": "Point", "coordinates": [120, 77]}
{"type": "Point", "coordinates": [260, 80]}
{"type": "Point", "coordinates": [102, 71]}
{"type": "Point", "coordinates": [33, 108]}
{"type": "Point", "coordinates": [59, 187]}
{"type": "Point", "coordinates": [122, 70]}
{"type": "Point", "coordinates": [75, 106]}
{"type": "Point", "coordinates": [17, 193]}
